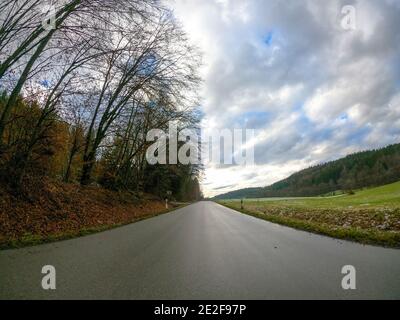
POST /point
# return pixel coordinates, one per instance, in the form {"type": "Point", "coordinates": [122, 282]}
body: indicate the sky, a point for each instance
{"type": "Point", "coordinates": [313, 79]}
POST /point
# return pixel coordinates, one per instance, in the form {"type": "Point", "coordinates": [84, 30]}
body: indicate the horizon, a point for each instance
{"type": "Point", "coordinates": [315, 165]}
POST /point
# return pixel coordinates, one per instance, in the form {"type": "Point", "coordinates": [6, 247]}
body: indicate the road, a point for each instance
{"type": "Point", "coordinates": [202, 251]}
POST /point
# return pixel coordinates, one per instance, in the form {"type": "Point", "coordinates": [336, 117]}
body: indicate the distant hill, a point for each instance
{"type": "Point", "coordinates": [358, 170]}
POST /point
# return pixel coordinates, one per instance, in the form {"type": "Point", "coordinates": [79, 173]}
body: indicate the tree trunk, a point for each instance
{"type": "Point", "coordinates": [74, 150]}
{"type": "Point", "coordinates": [87, 168]}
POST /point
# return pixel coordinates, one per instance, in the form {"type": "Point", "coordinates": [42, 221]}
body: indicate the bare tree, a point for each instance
{"type": "Point", "coordinates": [23, 48]}
{"type": "Point", "coordinates": [156, 60]}
{"type": "Point", "coordinates": [123, 66]}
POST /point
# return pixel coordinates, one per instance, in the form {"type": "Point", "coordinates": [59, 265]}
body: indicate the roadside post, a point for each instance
{"type": "Point", "coordinates": [168, 194]}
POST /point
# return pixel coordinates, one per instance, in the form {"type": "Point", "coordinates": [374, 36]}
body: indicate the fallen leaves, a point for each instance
{"type": "Point", "coordinates": [53, 208]}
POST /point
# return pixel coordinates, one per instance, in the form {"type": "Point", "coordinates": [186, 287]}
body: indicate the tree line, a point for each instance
{"type": "Point", "coordinates": [356, 171]}
{"type": "Point", "coordinates": [77, 99]}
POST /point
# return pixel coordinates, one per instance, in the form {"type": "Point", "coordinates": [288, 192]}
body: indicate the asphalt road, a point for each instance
{"type": "Point", "coordinates": [203, 251]}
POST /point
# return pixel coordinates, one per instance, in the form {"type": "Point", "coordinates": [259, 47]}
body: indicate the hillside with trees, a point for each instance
{"type": "Point", "coordinates": [77, 99]}
{"type": "Point", "coordinates": [359, 170]}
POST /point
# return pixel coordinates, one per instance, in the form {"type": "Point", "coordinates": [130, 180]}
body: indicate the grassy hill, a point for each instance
{"type": "Point", "coordinates": [359, 170]}
{"type": "Point", "coordinates": [387, 196]}
{"type": "Point", "coordinates": [369, 216]}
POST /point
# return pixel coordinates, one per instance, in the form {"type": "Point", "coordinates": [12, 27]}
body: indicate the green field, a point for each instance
{"type": "Point", "coordinates": [369, 216]}
{"type": "Point", "coordinates": [380, 197]}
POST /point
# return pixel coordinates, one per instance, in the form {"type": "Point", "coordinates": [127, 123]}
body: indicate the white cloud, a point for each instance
{"type": "Point", "coordinates": [313, 90]}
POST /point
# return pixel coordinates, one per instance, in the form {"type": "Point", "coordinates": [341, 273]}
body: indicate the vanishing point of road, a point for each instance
{"type": "Point", "coordinates": [202, 251]}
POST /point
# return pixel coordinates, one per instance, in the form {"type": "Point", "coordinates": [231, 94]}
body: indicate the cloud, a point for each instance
{"type": "Point", "coordinates": [313, 90]}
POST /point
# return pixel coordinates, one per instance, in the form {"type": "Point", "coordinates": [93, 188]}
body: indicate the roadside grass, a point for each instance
{"type": "Point", "coordinates": [370, 216]}
{"type": "Point", "coordinates": [28, 239]}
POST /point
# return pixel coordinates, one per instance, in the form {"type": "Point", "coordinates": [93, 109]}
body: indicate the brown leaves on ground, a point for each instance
{"type": "Point", "coordinates": [49, 208]}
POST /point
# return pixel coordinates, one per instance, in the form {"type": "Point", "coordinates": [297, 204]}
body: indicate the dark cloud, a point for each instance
{"type": "Point", "coordinates": [231, 186]}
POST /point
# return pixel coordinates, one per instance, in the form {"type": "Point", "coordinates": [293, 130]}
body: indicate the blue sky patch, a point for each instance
{"type": "Point", "coordinates": [45, 83]}
{"type": "Point", "coordinates": [269, 38]}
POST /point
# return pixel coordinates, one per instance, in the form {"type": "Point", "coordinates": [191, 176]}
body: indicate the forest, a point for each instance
{"type": "Point", "coordinates": [359, 170]}
{"type": "Point", "coordinates": [81, 83]}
